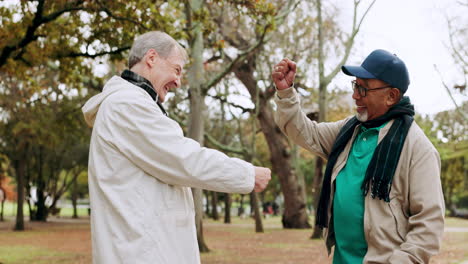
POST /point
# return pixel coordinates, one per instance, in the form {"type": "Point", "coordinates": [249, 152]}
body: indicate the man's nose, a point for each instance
{"type": "Point", "coordinates": [356, 94]}
{"type": "Point", "coordinates": [177, 81]}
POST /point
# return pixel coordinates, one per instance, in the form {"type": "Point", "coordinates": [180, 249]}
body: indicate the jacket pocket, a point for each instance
{"type": "Point", "coordinates": [169, 196]}
{"type": "Point", "coordinates": [401, 222]}
{"type": "Point", "coordinates": [174, 197]}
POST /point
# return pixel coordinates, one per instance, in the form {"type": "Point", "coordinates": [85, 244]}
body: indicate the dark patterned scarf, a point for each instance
{"type": "Point", "coordinates": [379, 174]}
{"type": "Point", "coordinates": [144, 84]}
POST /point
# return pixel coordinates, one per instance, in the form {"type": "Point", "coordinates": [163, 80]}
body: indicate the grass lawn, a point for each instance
{"type": "Point", "coordinates": [238, 243]}
{"type": "Point", "coordinates": [456, 222]}
{"type": "Point", "coordinates": [60, 241]}
{"type": "Point", "coordinates": [65, 240]}
{"type": "Point", "coordinates": [10, 210]}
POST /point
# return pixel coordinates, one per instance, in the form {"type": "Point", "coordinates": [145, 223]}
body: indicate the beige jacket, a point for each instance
{"type": "Point", "coordinates": [408, 229]}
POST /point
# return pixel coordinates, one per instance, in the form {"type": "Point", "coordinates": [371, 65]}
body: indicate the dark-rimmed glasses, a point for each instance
{"type": "Point", "coordinates": [363, 90]}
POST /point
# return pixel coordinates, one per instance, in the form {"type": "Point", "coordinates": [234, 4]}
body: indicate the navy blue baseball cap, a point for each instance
{"type": "Point", "coordinates": [382, 65]}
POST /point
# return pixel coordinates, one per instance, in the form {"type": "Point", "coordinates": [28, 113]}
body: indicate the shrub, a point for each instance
{"type": "Point", "coordinates": [463, 200]}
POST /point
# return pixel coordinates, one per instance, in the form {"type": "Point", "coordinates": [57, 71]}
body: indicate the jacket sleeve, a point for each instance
{"type": "Point", "coordinates": [294, 123]}
{"type": "Point", "coordinates": [155, 144]}
{"type": "Point", "coordinates": [426, 209]}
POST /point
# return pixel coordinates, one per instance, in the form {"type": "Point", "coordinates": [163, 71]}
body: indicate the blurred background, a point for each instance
{"type": "Point", "coordinates": [55, 54]}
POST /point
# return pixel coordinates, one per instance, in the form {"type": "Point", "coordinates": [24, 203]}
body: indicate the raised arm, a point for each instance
{"type": "Point", "coordinates": [293, 122]}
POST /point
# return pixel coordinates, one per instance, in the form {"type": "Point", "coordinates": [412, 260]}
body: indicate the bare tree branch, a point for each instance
{"type": "Point", "coordinates": [88, 55]}
{"type": "Point", "coordinates": [223, 147]}
{"type": "Point", "coordinates": [240, 57]}
{"type": "Point", "coordinates": [349, 42]}
{"type": "Point", "coordinates": [261, 40]}
{"type": "Point", "coordinates": [70, 7]}
{"type": "Point", "coordinates": [455, 48]}
{"type": "Point", "coordinates": [462, 114]}
{"type": "Point", "coordinates": [111, 14]}
{"type": "Point", "coordinates": [224, 100]}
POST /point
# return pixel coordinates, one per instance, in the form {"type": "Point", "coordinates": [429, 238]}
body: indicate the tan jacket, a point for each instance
{"type": "Point", "coordinates": [408, 229]}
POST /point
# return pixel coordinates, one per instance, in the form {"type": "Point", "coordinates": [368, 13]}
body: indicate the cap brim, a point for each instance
{"type": "Point", "coordinates": [358, 72]}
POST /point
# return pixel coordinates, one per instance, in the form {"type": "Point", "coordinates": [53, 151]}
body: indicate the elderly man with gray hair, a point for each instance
{"type": "Point", "coordinates": [141, 166]}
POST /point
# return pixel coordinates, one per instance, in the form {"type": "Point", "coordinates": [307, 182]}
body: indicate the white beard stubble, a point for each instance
{"type": "Point", "coordinates": [362, 116]}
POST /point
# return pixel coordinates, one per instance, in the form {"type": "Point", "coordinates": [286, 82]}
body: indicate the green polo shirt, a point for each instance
{"type": "Point", "coordinates": [348, 203]}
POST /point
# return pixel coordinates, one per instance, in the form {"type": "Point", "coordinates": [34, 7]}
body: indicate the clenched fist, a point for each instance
{"type": "Point", "coordinates": [284, 73]}
{"type": "Point", "coordinates": [262, 177]}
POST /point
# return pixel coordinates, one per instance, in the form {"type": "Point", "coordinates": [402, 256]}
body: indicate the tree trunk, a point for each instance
{"type": "Point", "coordinates": [227, 208]}
{"type": "Point", "coordinates": [214, 206]}
{"type": "Point", "coordinates": [28, 198]}
{"type": "Point", "coordinates": [41, 208]}
{"type": "Point", "coordinates": [325, 79]}
{"type": "Point", "coordinates": [19, 168]}
{"type": "Point", "coordinates": [207, 205]}
{"type": "Point", "coordinates": [196, 133]}
{"type": "Point", "coordinates": [2, 200]}
{"type": "Point", "coordinates": [197, 102]}
{"type": "Point", "coordinates": [27, 186]}
{"type": "Point", "coordinates": [74, 198]}
{"type": "Point", "coordinates": [240, 210]}
{"type": "Point", "coordinates": [322, 113]}
{"type": "Point", "coordinates": [257, 214]}
{"type": "Point", "coordinates": [297, 170]}
{"type": "Point", "coordinates": [197, 196]}
{"type": "Point", "coordinates": [295, 214]}
{"type": "Point", "coordinates": [1, 210]}
{"type": "Point", "coordinates": [318, 178]}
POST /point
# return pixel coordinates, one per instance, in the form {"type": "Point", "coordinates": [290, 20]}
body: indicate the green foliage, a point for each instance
{"type": "Point", "coordinates": [454, 152]}
{"type": "Point", "coordinates": [452, 179]}
{"type": "Point", "coordinates": [81, 186]}
{"type": "Point", "coordinates": [448, 131]}
{"type": "Point", "coordinates": [463, 200]}
{"type": "Point", "coordinates": [452, 125]}
{"type": "Point", "coordinates": [48, 54]}
{"type": "Point", "coordinates": [47, 57]}
{"type": "Point", "coordinates": [307, 167]}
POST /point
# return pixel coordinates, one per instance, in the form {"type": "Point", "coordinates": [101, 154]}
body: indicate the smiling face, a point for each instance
{"type": "Point", "coordinates": [376, 102]}
{"type": "Point", "coordinates": [165, 73]}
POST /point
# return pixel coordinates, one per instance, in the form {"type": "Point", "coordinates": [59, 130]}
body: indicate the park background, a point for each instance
{"type": "Point", "coordinates": [54, 55]}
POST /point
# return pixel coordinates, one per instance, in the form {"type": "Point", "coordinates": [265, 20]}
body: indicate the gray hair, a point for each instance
{"type": "Point", "coordinates": [161, 42]}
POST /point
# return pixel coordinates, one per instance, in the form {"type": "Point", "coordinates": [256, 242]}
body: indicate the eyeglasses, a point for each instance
{"type": "Point", "coordinates": [363, 90]}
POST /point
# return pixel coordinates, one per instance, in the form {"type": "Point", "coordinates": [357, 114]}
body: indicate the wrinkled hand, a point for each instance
{"type": "Point", "coordinates": [262, 177]}
{"type": "Point", "coordinates": [284, 73]}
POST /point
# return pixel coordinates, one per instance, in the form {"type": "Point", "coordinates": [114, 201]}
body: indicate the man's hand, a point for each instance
{"type": "Point", "coordinates": [284, 73]}
{"type": "Point", "coordinates": [262, 177]}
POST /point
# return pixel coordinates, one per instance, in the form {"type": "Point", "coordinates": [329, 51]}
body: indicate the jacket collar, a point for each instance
{"type": "Point", "coordinates": [144, 84]}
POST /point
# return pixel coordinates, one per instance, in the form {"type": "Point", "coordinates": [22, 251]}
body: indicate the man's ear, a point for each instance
{"type": "Point", "coordinates": [151, 58]}
{"type": "Point", "coordinates": [393, 96]}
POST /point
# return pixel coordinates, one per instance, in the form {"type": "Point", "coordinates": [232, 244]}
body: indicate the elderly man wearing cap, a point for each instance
{"type": "Point", "coordinates": [381, 199]}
